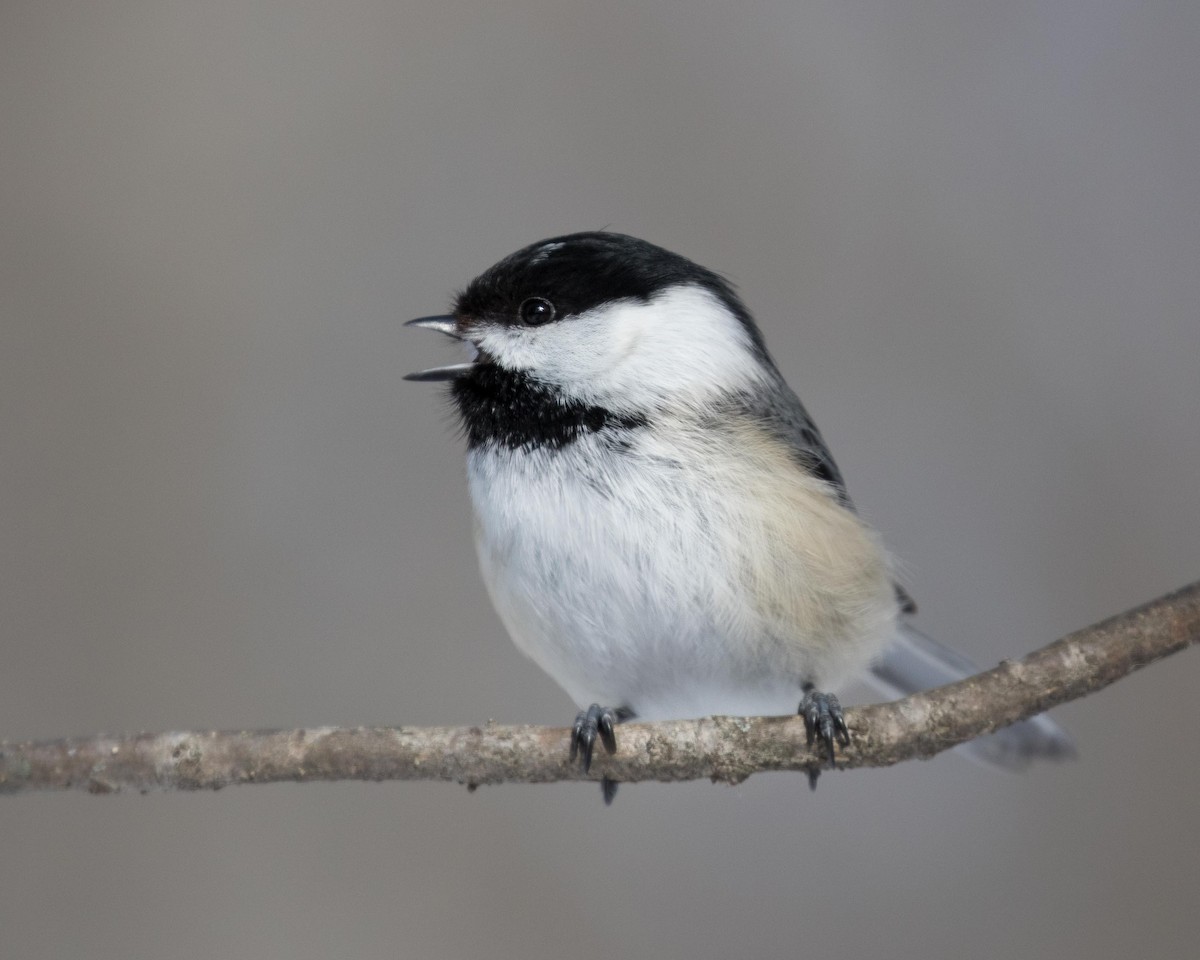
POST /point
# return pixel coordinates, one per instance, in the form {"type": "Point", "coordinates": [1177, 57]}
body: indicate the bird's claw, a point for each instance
{"type": "Point", "coordinates": [824, 719]}
{"type": "Point", "coordinates": [595, 721]}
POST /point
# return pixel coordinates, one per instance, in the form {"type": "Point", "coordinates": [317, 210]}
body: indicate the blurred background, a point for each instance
{"type": "Point", "coordinates": [970, 232]}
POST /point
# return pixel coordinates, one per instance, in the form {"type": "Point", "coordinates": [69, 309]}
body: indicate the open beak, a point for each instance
{"type": "Point", "coordinates": [448, 325]}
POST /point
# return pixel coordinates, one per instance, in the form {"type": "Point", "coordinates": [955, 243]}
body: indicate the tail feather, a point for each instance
{"type": "Point", "coordinates": [916, 662]}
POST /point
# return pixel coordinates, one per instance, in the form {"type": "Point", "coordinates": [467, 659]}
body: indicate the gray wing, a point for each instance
{"type": "Point", "coordinates": [784, 415]}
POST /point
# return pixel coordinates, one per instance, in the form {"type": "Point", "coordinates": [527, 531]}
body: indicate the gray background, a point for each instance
{"type": "Point", "coordinates": [970, 232]}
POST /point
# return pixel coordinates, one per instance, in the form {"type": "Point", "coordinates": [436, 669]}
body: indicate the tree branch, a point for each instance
{"type": "Point", "coordinates": [720, 748]}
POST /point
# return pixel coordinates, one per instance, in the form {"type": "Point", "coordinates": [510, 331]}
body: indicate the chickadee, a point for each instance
{"type": "Point", "coordinates": [658, 520]}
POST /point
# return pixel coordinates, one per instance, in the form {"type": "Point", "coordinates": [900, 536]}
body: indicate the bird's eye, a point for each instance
{"type": "Point", "coordinates": [535, 311]}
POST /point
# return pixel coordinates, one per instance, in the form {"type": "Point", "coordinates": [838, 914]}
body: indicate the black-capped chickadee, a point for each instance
{"type": "Point", "coordinates": [659, 523]}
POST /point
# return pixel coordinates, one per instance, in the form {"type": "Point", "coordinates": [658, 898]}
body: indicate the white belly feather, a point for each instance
{"type": "Point", "coordinates": [679, 591]}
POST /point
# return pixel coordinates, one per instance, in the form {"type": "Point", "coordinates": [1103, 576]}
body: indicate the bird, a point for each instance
{"type": "Point", "coordinates": [658, 521]}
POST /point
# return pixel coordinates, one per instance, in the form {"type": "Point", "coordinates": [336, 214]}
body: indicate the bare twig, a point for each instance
{"type": "Point", "coordinates": [720, 748]}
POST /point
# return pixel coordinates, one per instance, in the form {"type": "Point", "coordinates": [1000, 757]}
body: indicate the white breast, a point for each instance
{"type": "Point", "coordinates": [693, 573]}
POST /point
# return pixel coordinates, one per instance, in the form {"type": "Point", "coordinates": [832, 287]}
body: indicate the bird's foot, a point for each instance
{"type": "Point", "coordinates": [597, 722]}
{"type": "Point", "coordinates": [824, 719]}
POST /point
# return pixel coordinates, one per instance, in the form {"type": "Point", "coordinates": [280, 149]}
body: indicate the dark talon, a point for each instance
{"type": "Point", "coordinates": [579, 738]}
{"type": "Point", "coordinates": [608, 719]}
{"type": "Point", "coordinates": [597, 721]}
{"type": "Point", "coordinates": [823, 717]}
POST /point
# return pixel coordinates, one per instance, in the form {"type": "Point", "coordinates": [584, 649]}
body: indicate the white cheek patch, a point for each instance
{"type": "Point", "coordinates": [506, 349]}
{"type": "Point", "coordinates": [684, 346]}
{"type": "Point", "coordinates": [627, 338]}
